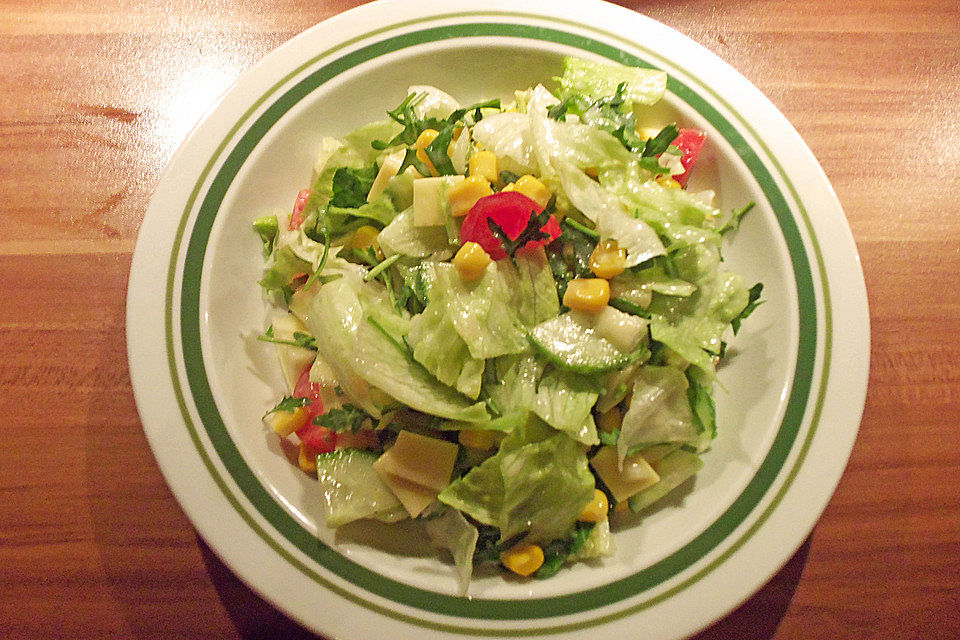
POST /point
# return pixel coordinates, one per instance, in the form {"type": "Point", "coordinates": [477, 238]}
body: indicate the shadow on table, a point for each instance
{"type": "Point", "coordinates": [759, 617]}
{"type": "Point", "coordinates": [253, 617]}
{"type": "Point", "coordinates": [756, 619]}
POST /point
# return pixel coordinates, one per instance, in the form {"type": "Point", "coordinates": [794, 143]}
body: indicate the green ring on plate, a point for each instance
{"type": "Point", "coordinates": [432, 602]}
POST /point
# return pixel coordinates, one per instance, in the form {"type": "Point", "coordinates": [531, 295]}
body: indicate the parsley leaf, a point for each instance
{"type": "Point", "coordinates": [300, 339]}
{"type": "Point", "coordinates": [531, 233]}
{"type": "Point", "coordinates": [556, 552]}
{"type": "Point", "coordinates": [351, 186]}
{"type": "Point", "coordinates": [701, 402]}
{"type": "Point", "coordinates": [753, 301]}
{"type": "Point", "coordinates": [660, 142]}
{"type": "Point", "coordinates": [288, 404]}
{"type": "Point", "coordinates": [737, 216]}
{"type": "Point", "coordinates": [345, 418]}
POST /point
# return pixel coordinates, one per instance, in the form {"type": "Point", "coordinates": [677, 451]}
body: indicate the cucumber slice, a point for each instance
{"type": "Point", "coordinates": [673, 469]}
{"type": "Point", "coordinates": [571, 346]}
{"type": "Point", "coordinates": [352, 489]}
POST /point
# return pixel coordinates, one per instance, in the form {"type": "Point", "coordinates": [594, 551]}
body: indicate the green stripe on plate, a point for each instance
{"type": "Point", "coordinates": [433, 602]}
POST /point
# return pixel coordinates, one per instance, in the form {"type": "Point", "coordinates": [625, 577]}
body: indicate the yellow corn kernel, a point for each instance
{"type": "Point", "coordinates": [286, 422]}
{"type": "Point", "coordinates": [480, 439]}
{"type": "Point", "coordinates": [590, 295]}
{"type": "Point", "coordinates": [523, 559]}
{"type": "Point", "coordinates": [484, 165]}
{"type": "Point", "coordinates": [610, 421]}
{"type": "Point", "coordinates": [307, 459]}
{"type": "Point", "coordinates": [596, 510]}
{"type": "Point", "coordinates": [667, 182]}
{"type": "Point", "coordinates": [471, 261]}
{"type": "Point", "coordinates": [533, 189]}
{"type": "Point", "coordinates": [608, 259]}
{"type": "Point", "coordinates": [463, 195]}
{"type": "Point", "coordinates": [428, 136]}
{"type": "Point", "coordinates": [364, 237]}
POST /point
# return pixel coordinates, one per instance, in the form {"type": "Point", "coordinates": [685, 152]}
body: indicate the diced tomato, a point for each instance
{"type": "Point", "coordinates": [511, 210]}
{"type": "Point", "coordinates": [690, 142]}
{"type": "Point", "coordinates": [322, 439]}
{"type": "Point", "coordinates": [297, 218]}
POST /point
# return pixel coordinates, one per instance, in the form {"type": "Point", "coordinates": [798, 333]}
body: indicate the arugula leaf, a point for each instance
{"type": "Point", "coordinates": [410, 160]}
{"type": "Point", "coordinates": [345, 418]}
{"type": "Point", "coordinates": [531, 233]}
{"type": "Point", "coordinates": [660, 142]}
{"type": "Point", "coordinates": [437, 152]}
{"type": "Point", "coordinates": [573, 259]}
{"type": "Point", "coordinates": [556, 552]}
{"type": "Point", "coordinates": [351, 186]}
{"type": "Point", "coordinates": [753, 301]}
{"type": "Point", "coordinates": [300, 339]}
{"type": "Point", "coordinates": [701, 402]}
{"type": "Point", "coordinates": [734, 223]}
{"type": "Point", "coordinates": [289, 404]}
{"type": "Point", "coordinates": [413, 126]}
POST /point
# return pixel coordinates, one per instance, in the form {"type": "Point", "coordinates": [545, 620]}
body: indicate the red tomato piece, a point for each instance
{"type": "Point", "coordinates": [297, 217]}
{"type": "Point", "coordinates": [511, 211]}
{"type": "Point", "coordinates": [322, 439]}
{"type": "Point", "coordinates": [690, 142]}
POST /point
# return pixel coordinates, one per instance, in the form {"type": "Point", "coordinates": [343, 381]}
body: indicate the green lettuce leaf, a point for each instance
{"type": "Point", "coordinates": [564, 401]}
{"type": "Point", "coordinates": [440, 349]}
{"type": "Point", "coordinates": [659, 411]}
{"type": "Point", "coordinates": [356, 349]}
{"type": "Point", "coordinates": [449, 530]}
{"type": "Point", "coordinates": [596, 80]}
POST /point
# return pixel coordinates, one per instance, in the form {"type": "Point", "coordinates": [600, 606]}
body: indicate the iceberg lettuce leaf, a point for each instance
{"type": "Point", "coordinates": [659, 411]}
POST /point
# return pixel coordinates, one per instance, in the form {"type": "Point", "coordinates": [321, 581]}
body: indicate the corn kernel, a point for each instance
{"type": "Point", "coordinates": [533, 189]}
{"type": "Point", "coordinates": [364, 237]}
{"type": "Point", "coordinates": [286, 422]}
{"type": "Point", "coordinates": [484, 165]}
{"type": "Point", "coordinates": [590, 295]}
{"type": "Point", "coordinates": [428, 136]}
{"type": "Point", "coordinates": [610, 421]}
{"type": "Point", "coordinates": [523, 559]}
{"type": "Point", "coordinates": [596, 510]}
{"type": "Point", "coordinates": [667, 182]}
{"type": "Point", "coordinates": [307, 459]}
{"type": "Point", "coordinates": [608, 259]}
{"type": "Point", "coordinates": [463, 195]}
{"type": "Point", "coordinates": [480, 439]}
{"type": "Point", "coordinates": [471, 261]}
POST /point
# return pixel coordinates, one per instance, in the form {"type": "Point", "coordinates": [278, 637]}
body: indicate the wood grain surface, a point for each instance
{"type": "Point", "coordinates": [96, 96]}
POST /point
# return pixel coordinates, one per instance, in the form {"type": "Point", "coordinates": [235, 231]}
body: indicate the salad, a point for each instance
{"type": "Point", "coordinates": [504, 320]}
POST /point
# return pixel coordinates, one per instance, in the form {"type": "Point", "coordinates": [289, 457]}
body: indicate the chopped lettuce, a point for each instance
{"type": "Point", "coordinates": [449, 530]}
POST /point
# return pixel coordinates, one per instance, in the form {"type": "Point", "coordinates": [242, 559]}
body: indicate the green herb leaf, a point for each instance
{"type": "Point", "coordinates": [737, 216]}
{"type": "Point", "coordinates": [300, 339]}
{"type": "Point", "coordinates": [267, 228]}
{"type": "Point", "coordinates": [351, 186]}
{"type": "Point", "coordinates": [660, 142]}
{"type": "Point", "coordinates": [288, 404]}
{"type": "Point", "coordinates": [753, 301]}
{"type": "Point", "coordinates": [556, 552]}
{"type": "Point", "coordinates": [531, 233]}
{"type": "Point", "coordinates": [345, 418]}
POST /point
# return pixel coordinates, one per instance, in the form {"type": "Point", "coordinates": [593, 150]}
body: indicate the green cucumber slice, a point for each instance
{"type": "Point", "coordinates": [352, 488]}
{"type": "Point", "coordinates": [571, 346]}
{"type": "Point", "coordinates": [673, 469]}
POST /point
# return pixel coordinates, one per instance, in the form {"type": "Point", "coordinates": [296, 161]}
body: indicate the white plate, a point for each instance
{"type": "Point", "coordinates": [791, 400]}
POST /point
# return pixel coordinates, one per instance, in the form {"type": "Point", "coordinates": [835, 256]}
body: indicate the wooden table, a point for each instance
{"type": "Point", "coordinates": [95, 97]}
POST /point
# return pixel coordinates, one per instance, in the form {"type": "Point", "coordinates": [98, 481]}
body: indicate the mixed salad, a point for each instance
{"type": "Point", "coordinates": [504, 320]}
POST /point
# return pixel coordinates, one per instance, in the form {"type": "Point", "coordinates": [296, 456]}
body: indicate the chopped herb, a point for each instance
{"type": "Point", "coordinates": [437, 152]}
{"type": "Point", "coordinates": [753, 301]}
{"type": "Point", "coordinates": [701, 402]}
{"type": "Point", "coordinates": [660, 142]}
{"type": "Point", "coordinates": [557, 552]}
{"type": "Point", "coordinates": [410, 160]}
{"type": "Point", "coordinates": [531, 233]}
{"type": "Point", "coordinates": [380, 268]}
{"type": "Point", "coordinates": [345, 418]}
{"type": "Point", "coordinates": [609, 438]}
{"type": "Point", "coordinates": [351, 186]}
{"type": "Point", "coordinates": [288, 404]}
{"type": "Point", "coordinates": [736, 217]}
{"type": "Point", "coordinates": [300, 339]}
